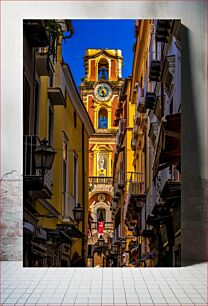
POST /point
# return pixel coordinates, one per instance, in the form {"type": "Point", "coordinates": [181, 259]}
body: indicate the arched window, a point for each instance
{"type": "Point", "coordinates": [101, 214]}
{"type": "Point", "coordinates": [103, 119]}
{"type": "Point", "coordinates": [103, 69]}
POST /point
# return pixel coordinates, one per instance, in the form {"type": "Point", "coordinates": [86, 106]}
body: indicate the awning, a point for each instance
{"type": "Point", "coordinates": [38, 249]}
{"type": "Point", "coordinates": [168, 145]}
{"type": "Point", "coordinates": [59, 235]}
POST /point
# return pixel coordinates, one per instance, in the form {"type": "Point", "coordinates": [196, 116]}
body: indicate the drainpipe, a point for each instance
{"type": "Point", "coordinates": [83, 191]}
{"type": "Point", "coordinates": [162, 85]}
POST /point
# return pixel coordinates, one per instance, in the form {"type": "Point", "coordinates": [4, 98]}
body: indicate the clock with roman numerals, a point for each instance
{"type": "Point", "coordinates": [103, 92]}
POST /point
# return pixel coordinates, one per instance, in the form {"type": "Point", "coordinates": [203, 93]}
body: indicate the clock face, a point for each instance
{"type": "Point", "coordinates": [103, 92]}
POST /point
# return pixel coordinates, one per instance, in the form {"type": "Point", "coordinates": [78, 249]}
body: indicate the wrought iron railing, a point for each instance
{"type": "Point", "coordinates": [136, 183]}
{"type": "Point", "coordinates": [30, 142]}
{"type": "Point", "coordinates": [107, 225]}
{"type": "Point", "coordinates": [98, 180]}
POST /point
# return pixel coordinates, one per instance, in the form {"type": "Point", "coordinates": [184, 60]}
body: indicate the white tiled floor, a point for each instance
{"type": "Point", "coordinates": [111, 286]}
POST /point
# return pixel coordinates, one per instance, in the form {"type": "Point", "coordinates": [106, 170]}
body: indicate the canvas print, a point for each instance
{"type": "Point", "coordinates": [102, 143]}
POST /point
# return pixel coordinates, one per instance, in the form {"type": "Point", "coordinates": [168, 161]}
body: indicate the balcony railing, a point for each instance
{"type": "Point", "coordinates": [44, 62]}
{"type": "Point", "coordinates": [56, 94]}
{"type": "Point", "coordinates": [149, 95]}
{"type": "Point", "coordinates": [163, 29]}
{"type": "Point", "coordinates": [107, 225]}
{"type": "Point", "coordinates": [155, 66]}
{"type": "Point", "coordinates": [117, 233]}
{"type": "Point", "coordinates": [33, 180]}
{"type": "Point", "coordinates": [136, 184]}
{"type": "Point", "coordinates": [136, 195]}
{"type": "Point", "coordinates": [100, 183]}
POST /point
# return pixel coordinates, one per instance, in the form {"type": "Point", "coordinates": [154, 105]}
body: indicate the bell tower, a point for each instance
{"type": "Point", "coordinates": [100, 90]}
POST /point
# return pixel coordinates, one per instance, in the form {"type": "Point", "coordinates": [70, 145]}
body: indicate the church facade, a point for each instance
{"type": "Point", "coordinates": [99, 90]}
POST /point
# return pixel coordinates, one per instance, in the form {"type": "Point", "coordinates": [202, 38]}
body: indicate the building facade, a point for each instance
{"type": "Point", "coordinates": [55, 113]}
{"type": "Point", "coordinates": [100, 89]}
{"type": "Point", "coordinates": [151, 196]}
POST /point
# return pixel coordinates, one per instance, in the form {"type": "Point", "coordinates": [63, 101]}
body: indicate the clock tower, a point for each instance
{"type": "Point", "coordinates": [99, 90]}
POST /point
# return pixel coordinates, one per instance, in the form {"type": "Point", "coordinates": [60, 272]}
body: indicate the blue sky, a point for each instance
{"type": "Point", "coordinates": [95, 34]}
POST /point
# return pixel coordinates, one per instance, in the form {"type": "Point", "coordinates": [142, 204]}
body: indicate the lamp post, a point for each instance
{"type": "Point", "coordinates": [123, 243]}
{"type": "Point", "coordinates": [78, 213]}
{"type": "Point", "coordinates": [44, 156]}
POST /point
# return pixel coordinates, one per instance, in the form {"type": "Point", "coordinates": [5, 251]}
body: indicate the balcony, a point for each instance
{"type": "Point", "coordinates": [56, 96]}
{"type": "Point", "coordinates": [117, 236]}
{"type": "Point", "coordinates": [163, 29]}
{"type": "Point", "coordinates": [107, 225]}
{"type": "Point", "coordinates": [153, 131]}
{"type": "Point", "coordinates": [149, 95]}
{"type": "Point", "coordinates": [100, 183]}
{"type": "Point", "coordinates": [136, 189]}
{"type": "Point", "coordinates": [121, 180]}
{"type": "Point", "coordinates": [36, 32]}
{"type": "Point", "coordinates": [155, 67]}
{"type": "Point", "coordinates": [33, 180]}
{"type": "Point", "coordinates": [157, 110]}
{"type": "Point", "coordinates": [44, 63]}
{"type": "Point", "coordinates": [56, 93]}
{"type": "Point", "coordinates": [171, 192]}
{"type": "Point", "coordinates": [136, 195]}
{"type": "Point", "coordinates": [168, 144]}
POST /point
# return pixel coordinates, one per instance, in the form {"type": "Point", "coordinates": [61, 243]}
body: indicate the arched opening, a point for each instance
{"type": "Point", "coordinates": [103, 119]}
{"type": "Point", "coordinates": [101, 214]}
{"type": "Point", "coordinates": [103, 69]}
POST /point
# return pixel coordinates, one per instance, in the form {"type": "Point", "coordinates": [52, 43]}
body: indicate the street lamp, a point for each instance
{"type": "Point", "coordinates": [78, 213]}
{"type": "Point", "coordinates": [115, 248]}
{"type": "Point", "coordinates": [101, 241]}
{"type": "Point", "coordinates": [44, 156]}
{"type": "Point", "coordinates": [123, 243]}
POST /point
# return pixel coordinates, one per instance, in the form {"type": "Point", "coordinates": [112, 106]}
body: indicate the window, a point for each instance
{"type": "Point", "coordinates": [64, 175]}
{"type": "Point", "coordinates": [101, 214]}
{"type": "Point", "coordinates": [50, 125]}
{"type": "Point", "coordinates": [103, 69]}
{"type": "Point", "coordinates": [103, 119]}
{"type": "Point", "coordinates": [75, 178]}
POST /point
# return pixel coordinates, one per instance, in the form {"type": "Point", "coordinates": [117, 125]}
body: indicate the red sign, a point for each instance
{"type": "Point", "coordinates": [100, 227]}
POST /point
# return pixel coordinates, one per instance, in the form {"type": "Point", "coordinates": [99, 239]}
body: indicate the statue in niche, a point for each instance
{"type": "Point", "coordinates": [101, 162]}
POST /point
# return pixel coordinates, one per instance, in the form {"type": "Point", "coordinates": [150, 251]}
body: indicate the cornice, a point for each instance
{"type": "Point", "coordinates": [77, 101]}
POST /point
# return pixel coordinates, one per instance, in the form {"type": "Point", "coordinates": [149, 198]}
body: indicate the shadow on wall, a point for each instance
{"type": "Point", "coordinates": [193, 207]}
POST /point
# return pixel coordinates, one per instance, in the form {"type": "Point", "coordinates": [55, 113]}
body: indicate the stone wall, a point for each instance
{"type": "Point", "coordinates": [11, 217]}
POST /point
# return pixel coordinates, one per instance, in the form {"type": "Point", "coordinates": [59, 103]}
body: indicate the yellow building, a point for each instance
{"type": "Point", "coordinates": [131, 148]}
{"type": "Point", "coordinates": [156, 138]}
{"type": "Point", "coordinates": [61, 118]}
